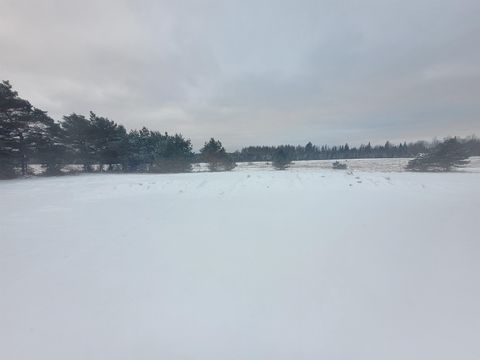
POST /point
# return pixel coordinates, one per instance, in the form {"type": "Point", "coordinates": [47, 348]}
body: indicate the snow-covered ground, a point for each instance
{"type": "Point", "coordinates": [252, 264]}
{"type": "Point", "coordinates": [364, 165]}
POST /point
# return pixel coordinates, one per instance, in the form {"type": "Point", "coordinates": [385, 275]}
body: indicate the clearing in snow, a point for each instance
{"type": "Point", "coordinates": [306, 263]}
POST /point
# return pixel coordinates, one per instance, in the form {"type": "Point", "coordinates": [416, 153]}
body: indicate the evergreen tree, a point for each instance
{"type": "Point", "coordinates": [280, 160]}
{"type": "Point", "coordinates": [22, 128]}
{"type": "Point", "coordinates": [137, 150]}
{"type": "Point", "coordinates": [50, 146]}
{"type": "Point", "coordinates": [176, 156]}
{"type": "Point", "coordinates": [215, 155]}
{"type": "Point", "coordinates": [472, 144]}
{"type": "Point", "coordinates": [443, 157]}
{"type": "Point", "coordinates": [107, 140]}
{"type": "Point", "coordinates": [79, 140]}
{"type": "Point", "coordinates": [144, 147]}
{"type": "Point", "coordinates": [12, 109]}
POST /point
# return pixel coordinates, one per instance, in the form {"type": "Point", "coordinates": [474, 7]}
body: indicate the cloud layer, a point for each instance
{"type": "Point", "coordinates": [252, 72]}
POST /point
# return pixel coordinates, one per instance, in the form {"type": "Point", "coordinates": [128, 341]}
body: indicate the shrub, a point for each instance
{"type": "Point", "coordinates": [444, 157]}
{"type": "Point", "coordinates": [337, 165]}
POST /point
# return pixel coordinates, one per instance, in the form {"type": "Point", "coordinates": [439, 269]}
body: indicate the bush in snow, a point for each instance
{"type": "Point", "coordinates": [445, 156]}
{"type": "Point", "coordinates": [339, 166]}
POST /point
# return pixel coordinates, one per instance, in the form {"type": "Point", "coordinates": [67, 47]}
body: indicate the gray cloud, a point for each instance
{"type": "Point", "coordinates": [251, 72]}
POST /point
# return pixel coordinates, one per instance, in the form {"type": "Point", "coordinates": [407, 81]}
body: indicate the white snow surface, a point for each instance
{"type": "Point", "coordinates": [307, 263]}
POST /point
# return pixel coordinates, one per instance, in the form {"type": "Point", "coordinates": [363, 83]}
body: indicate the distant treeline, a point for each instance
{"type": "Point", "coordinates": [29, 136]}
{"type": "Point", "coordinates": [325, 152]}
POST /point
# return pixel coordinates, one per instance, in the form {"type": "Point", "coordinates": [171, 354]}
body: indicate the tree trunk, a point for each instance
{"type": "Point", "coordinates": [23, 160]}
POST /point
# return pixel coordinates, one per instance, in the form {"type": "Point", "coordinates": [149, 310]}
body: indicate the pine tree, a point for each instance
{"type": "Point", "coordinates": [12, 109]}
{"type": "Point", "coordinates": [78, 137]}
{"type": "Point", "coordinates": [106, 141]}
{"type": "Point", "coordinates": [280, 160]}
{"type": "Point", "coordinates": [176, 156]}
{"type": "Point", "coordinates": [22, 129]}
{"type": "Point", "coordinates": [443, 157]}
{"type": "Point", "coordinates": [215, 155]}
{"type": "Point", "coordinates": [49, 150]}
{"type": "Point", "coordinates": [52, 150]}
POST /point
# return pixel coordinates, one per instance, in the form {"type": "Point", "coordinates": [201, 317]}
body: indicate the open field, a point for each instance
{"type": "Point", "coordinates": [308, 263]}
{"type": "Point", "coordinates": [364, 165]}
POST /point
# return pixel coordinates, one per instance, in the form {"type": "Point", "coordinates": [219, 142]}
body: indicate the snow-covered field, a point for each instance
{"type": "Point", "coordinates": [308, 263]}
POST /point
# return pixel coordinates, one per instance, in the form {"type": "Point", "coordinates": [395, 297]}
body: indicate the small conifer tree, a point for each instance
{"type": "Point", "coordinates": [443, 157]}
{"type": "Point", "coordinates": [280, 159]}
{"type": "Point", "coordinates": [215, 155]}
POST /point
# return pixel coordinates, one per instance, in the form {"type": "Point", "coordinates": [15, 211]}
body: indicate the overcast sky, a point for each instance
{"type": "Point", "coordinates": [252, 71]}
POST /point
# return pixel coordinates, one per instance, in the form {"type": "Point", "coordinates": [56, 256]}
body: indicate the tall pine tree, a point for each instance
{"type": "Point", "coordinates": [22, 129]}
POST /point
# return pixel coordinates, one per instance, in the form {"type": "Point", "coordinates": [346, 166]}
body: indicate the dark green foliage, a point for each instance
{"type": "Point", "coordinates": [96, 140]}
{"type": "Point", "coordinates": [107, 141]}
{"type": "Point", "coordinates": [472, 144]}
{"type": "Point", "coordinates": [313, 152]}
{"type": "Point", "coordinates": [50, 148]}
{"type": "Point", "coordinates": [280, 159]}
{"type": "Point", "coordinates": [176, 155]}
{"type": "Point", "coordinates": [79, 140]}
{"type": "Point", "coordinates": [144, 147]}
{"type": "Point", "coordinates": [443, 157]}
{"type": "Point", "coordinates": [23, 129]}
{"type": "Point", "coordinates": [13, 114]}
{"type": "Point", "coordinates": [139, 150]}
{"type": "Point", "coordinates": [10, 105]}
{"type": "Point", "coordinates": [215, 155]}
{"type": "Point", "coordinates": [27, 133]}
{"type": "Point", "coordinates": [152, 151]}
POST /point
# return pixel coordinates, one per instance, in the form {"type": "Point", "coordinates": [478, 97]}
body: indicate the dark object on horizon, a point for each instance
{"type": "Point", "coordinates": [325, 152]}
{"type": "Point", "coordinates": [443, 157]}
{"type": "Point", "coordinates": [280, 159]}
{"type": "Point", "coordinates": [339, 166]}
{"type": "Point", "coordinates": [215, 155]}
{"type": "Point", "coordinates": [313, 152]}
